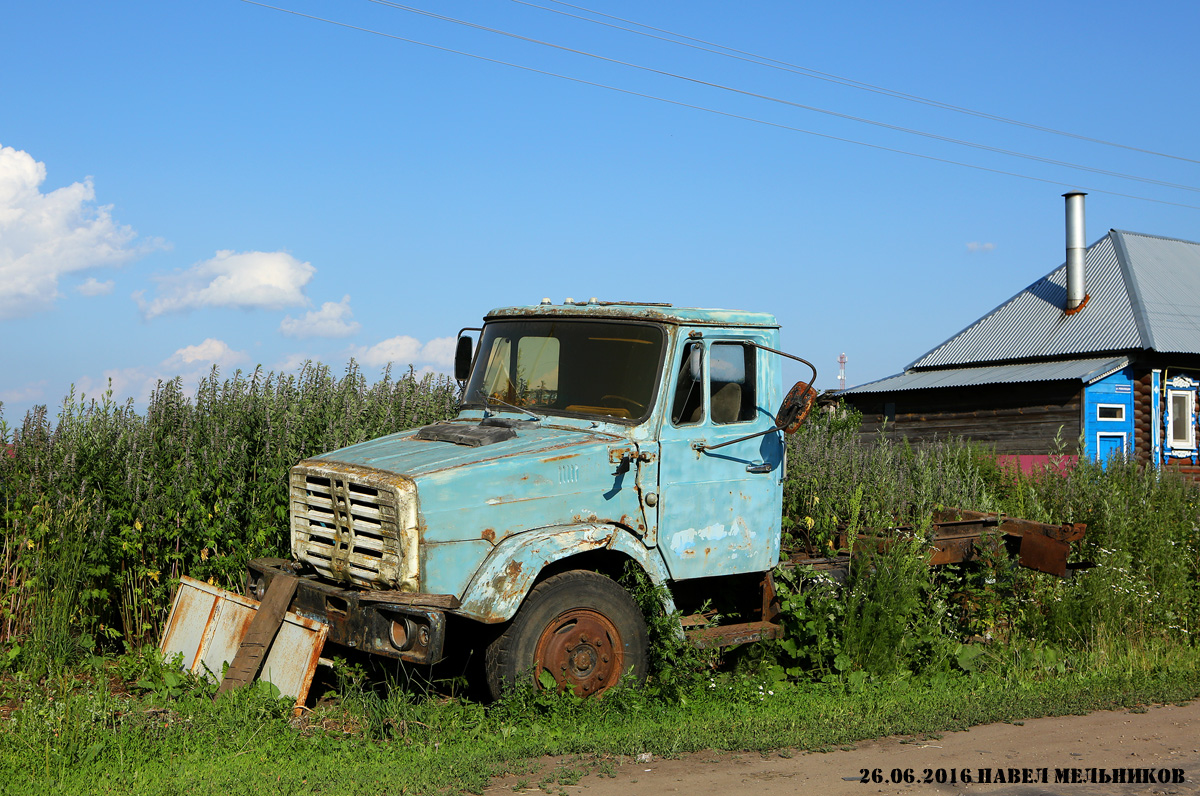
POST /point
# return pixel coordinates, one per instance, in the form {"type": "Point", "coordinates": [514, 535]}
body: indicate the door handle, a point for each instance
{"type": "Point", "coordinates": [759, 468]}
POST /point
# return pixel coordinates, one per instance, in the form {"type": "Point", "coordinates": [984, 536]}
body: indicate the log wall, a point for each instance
{"type": "Point", "coordinates": [1015, 419]}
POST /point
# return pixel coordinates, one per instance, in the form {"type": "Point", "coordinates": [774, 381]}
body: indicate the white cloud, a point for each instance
{"type": "Point", "coordinates": [192, 363]}
{"type": "Point", "coordinates": [976, 246]}
{"type": "Point", "coordinates": [46, 235]}
{"type": "Point", "coordinates": [94, 287]}
{"type": "Point", "coordinates": [134, 383]}
{"type": "Point", "coordinates": [249, 280]}
{"type": "Point", "coordinates": [334, 319]}
{"type": "Point", "coordinates": [401, 350]}
{"type": "Point", "coordinates": [292, 363]}
{"type": "Point", "coordinates": [440, 351]}
{"type": "Point", "coordinates": [210, 352]}
{"type": "Point", "coordinates": [34, 391]}
{"type": "Point", "coordinates": [405, 350]}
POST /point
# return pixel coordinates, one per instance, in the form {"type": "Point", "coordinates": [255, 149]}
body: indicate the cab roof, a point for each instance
{"type": "Point", "coordinates": [638, 311]}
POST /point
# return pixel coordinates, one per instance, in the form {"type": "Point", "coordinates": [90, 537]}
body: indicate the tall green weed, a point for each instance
{"type": "Point", "coordinates": [895, 614]}
{"type": "Point", "coordinates": [196, 485]}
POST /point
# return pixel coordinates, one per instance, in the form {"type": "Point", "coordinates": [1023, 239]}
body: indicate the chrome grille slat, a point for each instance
{"type": "Point", "coordinates": [355, 526]}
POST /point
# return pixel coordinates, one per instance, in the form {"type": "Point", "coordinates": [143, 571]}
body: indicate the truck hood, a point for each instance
{"type": "Point", "coordinates": [469, 500]}
{"type": "Point", "coordinates": [402, 453]}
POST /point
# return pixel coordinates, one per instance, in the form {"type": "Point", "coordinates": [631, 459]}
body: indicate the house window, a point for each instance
{"type": "Point", "coordinates": [1110, 411]}
{"type": "Point", "coordinates": [1182, 405]}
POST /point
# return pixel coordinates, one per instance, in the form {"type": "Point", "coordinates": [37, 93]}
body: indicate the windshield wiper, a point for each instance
{"type": "Point", "coordinates": [488, 400]}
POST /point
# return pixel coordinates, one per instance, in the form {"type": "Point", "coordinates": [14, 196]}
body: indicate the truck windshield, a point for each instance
{"type": "Point", "coordinates": [568, 367]}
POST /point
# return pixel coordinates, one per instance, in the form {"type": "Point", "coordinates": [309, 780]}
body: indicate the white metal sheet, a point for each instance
{"type": "Point", "coordinates": [207, 625]}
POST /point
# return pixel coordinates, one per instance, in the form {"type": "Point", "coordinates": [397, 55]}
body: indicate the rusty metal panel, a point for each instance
{"type": "Point", "coordinates": [207, 625]}
{"type": "Point", "coordinates": [728, 635]}
{"type": "Point", "coordinates": [1044, 554]}
{"type": "Point", "coordinates": [639, 311]}
{"type": "Point", "coordinates": [960, 534]}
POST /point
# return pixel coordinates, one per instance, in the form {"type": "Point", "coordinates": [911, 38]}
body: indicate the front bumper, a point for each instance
{"type": "Point", "coordinates": [411, 627]}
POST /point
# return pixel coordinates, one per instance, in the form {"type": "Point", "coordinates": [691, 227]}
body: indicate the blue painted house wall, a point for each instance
{"type": "Point", "coordinates": [1108, 416]}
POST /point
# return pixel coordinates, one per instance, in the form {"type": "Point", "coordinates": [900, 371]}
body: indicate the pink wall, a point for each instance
{"type": "Point", "coordinates": [1036, 463]}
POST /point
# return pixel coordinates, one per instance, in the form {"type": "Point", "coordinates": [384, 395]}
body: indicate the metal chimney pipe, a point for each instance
{"type": "Point", "coordinates": [1076, 248]}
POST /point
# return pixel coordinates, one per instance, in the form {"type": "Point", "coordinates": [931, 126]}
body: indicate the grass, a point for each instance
{"type": "Point", "coordinates": [84, 736]}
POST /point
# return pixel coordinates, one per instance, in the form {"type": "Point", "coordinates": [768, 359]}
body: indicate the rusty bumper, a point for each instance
{"type": "Point", "coordinates": [411, 627]}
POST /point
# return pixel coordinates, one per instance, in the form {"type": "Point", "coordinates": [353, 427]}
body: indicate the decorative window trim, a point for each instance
{"type": "Point", "coordinates": [1178, 443]}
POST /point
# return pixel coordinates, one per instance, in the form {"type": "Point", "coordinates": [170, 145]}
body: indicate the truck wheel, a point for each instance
{"type": "Point", "coordinates": [580, 627]}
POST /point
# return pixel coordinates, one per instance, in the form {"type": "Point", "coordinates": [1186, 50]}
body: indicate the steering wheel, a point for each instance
{"type": "Point", "coordinates": [622, 399]}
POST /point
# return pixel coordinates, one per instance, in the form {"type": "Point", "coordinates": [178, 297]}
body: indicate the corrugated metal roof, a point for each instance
{"type": "Point", "coordinates": [1032, 323]}
{"type": "Point", "coordinates": [1164, 277]}
{"type": "Point", "coordinates": [1083, 370]}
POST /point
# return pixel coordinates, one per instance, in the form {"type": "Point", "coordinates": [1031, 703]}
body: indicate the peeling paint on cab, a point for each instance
{"type": "Point", "coordinates": [497, 590]}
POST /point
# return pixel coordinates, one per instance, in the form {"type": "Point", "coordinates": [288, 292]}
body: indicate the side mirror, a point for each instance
{"type": "Point", "coordinates": [463, 351]}
{"type": "Point", "coordinates": [795, 407]}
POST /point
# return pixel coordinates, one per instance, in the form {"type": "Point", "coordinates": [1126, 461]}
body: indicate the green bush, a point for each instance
{"type": "Point", "coordinates": [896, 615]}
{"type": "Point", "coordinates": [197, 486]}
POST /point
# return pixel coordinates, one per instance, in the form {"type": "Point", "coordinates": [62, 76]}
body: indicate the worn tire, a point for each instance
{"type": "Point", "coordinates": [582, 627]}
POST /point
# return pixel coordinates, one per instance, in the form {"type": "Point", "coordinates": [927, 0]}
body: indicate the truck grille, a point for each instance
{"type": "Point", "coordinates": [355, 524]}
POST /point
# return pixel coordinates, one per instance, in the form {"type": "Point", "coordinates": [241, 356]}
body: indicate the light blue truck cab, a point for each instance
{"type": "Point", "coordinates": [591, 436]}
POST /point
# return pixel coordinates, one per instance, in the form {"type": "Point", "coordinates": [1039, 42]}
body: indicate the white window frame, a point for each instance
{"type": "Point", "coordinates": [1190, 397]}
{"type": "Point", "coordinates": [1119, 419]}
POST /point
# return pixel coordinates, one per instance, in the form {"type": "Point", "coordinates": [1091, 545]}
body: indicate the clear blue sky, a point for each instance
{"type": "Point", "coordinates": [190, 183]}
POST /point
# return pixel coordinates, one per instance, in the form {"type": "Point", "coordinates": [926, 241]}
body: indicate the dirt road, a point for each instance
{"type": "Point", "coordinates": [1112, 753]}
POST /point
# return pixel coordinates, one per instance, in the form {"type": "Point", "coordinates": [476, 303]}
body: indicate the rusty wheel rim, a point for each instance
{"type": "Point", "coordinates": [581, 649]}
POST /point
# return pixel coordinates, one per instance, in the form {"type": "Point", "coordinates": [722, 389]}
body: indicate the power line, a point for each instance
{"type": "Point", "coordinates": [762, 60]}
{"type": "Point", "coordinates": [706, 109]}
{"type": "Point", "coordinates": [790, 103]}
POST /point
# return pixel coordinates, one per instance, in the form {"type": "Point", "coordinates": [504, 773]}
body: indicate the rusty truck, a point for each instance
{"type": "Point", "coordinates": [592, 436]}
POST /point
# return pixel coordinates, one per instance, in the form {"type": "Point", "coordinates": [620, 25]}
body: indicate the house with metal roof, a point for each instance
{"type": "Point", "coordinates": [1100, 357]}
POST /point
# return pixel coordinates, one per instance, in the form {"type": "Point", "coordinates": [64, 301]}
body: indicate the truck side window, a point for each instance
{"type": "Point", "coordinates": [688, 406]}
{"type": "Point", "coordinates": [732, 385]}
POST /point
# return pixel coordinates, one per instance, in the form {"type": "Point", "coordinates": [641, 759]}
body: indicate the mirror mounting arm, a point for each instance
{"type": "Point", "coordinates": [790, 415]}
{"type": "Point", "coordinates": [464, 354]}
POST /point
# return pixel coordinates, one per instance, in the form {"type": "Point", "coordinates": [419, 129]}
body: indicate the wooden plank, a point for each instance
{"type": "Point", "coordinates": [448, 601]}
{"type": "Point", "coordinates": [263, 629]}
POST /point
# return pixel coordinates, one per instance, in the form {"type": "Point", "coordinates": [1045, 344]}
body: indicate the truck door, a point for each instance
{"type": "Point", "coordinates": [719, 511]}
